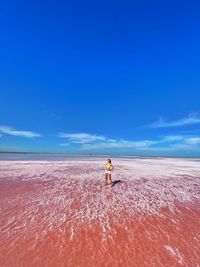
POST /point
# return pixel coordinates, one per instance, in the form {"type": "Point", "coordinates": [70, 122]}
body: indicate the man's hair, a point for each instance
{"type": "Point", "coordinates": [109, 160]}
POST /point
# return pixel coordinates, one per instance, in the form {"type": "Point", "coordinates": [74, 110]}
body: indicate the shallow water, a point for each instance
{"type": "Point", "coordinates": [58, 213]}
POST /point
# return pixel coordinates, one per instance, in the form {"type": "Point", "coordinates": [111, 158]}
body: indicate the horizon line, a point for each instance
{"type": "Point", "coordinates": [93, 155]}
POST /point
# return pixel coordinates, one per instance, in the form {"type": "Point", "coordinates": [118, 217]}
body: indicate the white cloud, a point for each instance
{"type": "Point", "coordinates": [182, 141]}
{"type": "Point", "coordinates": [82, 138]}
{"type": "Point", "coordinates": [119, 144]}
{"type": "Point", "coordinates": [189, 120]}
{"type": "Point", "coordinates": [11, 131]}
{"type": "Point", "coordinates": [177, 147]}
{"type": "Point", "coordinates": [193, 140]}
{"type": "Point", "coordinates": [64, 144]}
{"type": "Point", "coordinates": [165, 143]}
{"type": "Point", "coordinates": [173, 138]}
{"type": "Point", "coordinates": [111, 140]}
{"type": "Point", "coordinates": [92, 142]}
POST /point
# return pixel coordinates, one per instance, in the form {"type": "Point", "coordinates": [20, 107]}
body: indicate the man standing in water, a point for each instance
{"type": "Point", "coordinates": [109, 168]}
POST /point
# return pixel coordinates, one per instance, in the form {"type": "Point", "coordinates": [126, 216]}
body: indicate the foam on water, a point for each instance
{"type": "Point", "coordinates": [62, 207]}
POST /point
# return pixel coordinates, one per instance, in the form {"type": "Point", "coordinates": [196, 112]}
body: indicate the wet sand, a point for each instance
{"type": "Point", "coordinates": [59, 213]}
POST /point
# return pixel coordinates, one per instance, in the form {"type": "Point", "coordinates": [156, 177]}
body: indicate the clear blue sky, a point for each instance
{"type": "Point", "coordinates": [100, 77]}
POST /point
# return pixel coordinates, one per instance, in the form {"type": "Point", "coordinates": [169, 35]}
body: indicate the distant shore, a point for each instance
{"type": "Point", "coordinates": [95, 155]}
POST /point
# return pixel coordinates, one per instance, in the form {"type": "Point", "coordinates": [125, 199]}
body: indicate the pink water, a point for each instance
{"type": "Point", "coordinates": [58, 213]}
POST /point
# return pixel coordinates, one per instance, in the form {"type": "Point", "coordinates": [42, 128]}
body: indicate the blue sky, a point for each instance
{"type": "Point", "coordinates": [100, 77]}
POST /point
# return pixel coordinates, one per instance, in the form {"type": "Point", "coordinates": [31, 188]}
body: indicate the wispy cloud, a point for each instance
{"type": "Point", "coordinates": [65, 144]}
{"type": "Point", "coordinates": [92, 141]}
{"type": "Point", "coordinates": [173, 138]}
{"type": "Point", "coordinates": [167, 143]}
{"type": "Point", "coordinates": [189, 120]}
{"type": "Point", "coordinates": [193, 140]}
{"type": "Point", "coordinates": [176, 147]}
{"type": "Point", "coordinates": [119, 144]}
{"type": "Point", "coordinates": [82, 138]}
{"type": "Point", "coordinates": [177, 140]}
{"type": "Point", "coordinates": [11, 131]}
